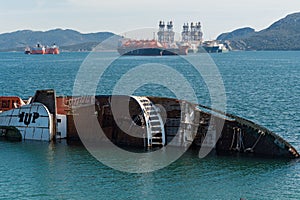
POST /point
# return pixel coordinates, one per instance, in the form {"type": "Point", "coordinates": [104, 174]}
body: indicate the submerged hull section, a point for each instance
{"type": "Point", "coordinates": [185, 126]}
{"type": "Point", "coordinates": [241, 136]}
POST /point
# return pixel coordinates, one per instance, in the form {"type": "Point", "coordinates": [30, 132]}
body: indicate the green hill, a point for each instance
{"type": "Point", "coordinates": [281, 35]}
{"type": "Point", "coordinates": [70, 40]}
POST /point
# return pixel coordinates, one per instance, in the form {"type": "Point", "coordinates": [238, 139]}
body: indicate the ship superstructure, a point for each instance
{"type": "Point", "coordinates": [166, 34]}
{"type": "Point", "coordinates": [192, 35]}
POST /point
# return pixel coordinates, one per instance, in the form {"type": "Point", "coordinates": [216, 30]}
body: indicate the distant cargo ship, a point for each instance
{"type": "Point", "coordinates": [40, 49]}
{"type": "Point", "coordinates": [212, 47]}
{"type": "Point", "coordinates": [149, 48]}
{"type": "Point", "coordinates": [163, 46]}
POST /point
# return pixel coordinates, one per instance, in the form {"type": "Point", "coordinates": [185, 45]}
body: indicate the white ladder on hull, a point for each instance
{"type": "Point", "coordinates": [154, 123]}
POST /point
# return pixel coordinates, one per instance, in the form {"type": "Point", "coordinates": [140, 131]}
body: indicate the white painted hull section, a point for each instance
{"type": "Point", "coordinates": [33, 121]}
{"type": "Point", "coordinates": [61, 126]}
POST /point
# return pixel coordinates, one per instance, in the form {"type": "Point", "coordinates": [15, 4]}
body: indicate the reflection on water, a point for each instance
{"type": "Point", "coordinates": [37, 170]}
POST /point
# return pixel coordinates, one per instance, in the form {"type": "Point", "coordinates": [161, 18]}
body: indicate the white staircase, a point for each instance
{"type": "Point", "coordinates": [154, 123]}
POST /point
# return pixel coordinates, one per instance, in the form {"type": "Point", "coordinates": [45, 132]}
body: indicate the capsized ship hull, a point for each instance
{"type": "Point", "coordinates": [156, 122]}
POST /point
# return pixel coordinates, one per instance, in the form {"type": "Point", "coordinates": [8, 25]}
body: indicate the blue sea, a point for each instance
{"type": "Point", "coordinates": [263, 87]}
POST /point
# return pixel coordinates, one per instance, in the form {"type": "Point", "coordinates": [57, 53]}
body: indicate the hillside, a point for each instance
{"type": "Point", "coordinates": [70, 40]}
{"type": "Point", "coordinates": [281, 35]}
{"type": "Point", "coordinates": [239, 33]}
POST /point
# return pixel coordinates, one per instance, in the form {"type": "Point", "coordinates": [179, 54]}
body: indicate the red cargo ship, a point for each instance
{"type": "Point", "coordinates": [40, 49]}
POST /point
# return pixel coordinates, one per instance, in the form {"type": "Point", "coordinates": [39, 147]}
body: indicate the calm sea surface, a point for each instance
{"type": "Point", "coordinates": [261, 86]}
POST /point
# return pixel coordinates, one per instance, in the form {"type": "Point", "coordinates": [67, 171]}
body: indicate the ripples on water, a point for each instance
{"type": "Point", "coordinates": [261, 86]}
{"type": "Point", "coordinates": [34, 170]}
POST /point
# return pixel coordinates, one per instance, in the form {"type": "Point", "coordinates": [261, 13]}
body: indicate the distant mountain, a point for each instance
{"type": "Point", "coordinates": [68, 39]}
{"type": "Point", "coordinates": [281, 35]}
{"type": "Point", "coordinates": [239, 33]}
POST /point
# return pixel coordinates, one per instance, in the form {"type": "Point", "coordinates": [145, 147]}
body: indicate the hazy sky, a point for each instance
{"type": "Point", "coordinates": [120, 16]}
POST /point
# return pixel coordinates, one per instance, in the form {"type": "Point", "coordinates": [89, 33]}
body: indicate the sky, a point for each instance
{"type": "Point", "coordinates": [119, 16]}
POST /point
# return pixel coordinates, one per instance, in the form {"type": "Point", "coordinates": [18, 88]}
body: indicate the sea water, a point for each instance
{"type": "Point", "coordinates": [261, 86]}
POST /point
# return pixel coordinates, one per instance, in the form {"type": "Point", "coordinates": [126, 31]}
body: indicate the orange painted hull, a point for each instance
{"type": "Point", "coordinates": [52, 51]}
{"type": "Point", "coordinates": [37, 52]}
{"type": "Point", "coordinates": [42, 50]}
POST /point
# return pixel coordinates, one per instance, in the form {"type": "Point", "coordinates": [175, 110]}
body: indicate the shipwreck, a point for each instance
{"type": "Point", "coordinates": [153, 123]}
